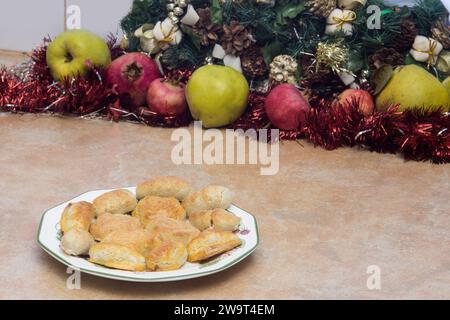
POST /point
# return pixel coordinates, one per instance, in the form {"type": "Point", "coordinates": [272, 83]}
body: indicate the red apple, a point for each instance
{"type": "Point", "coordinates": [286, 107]}
{"type": "Point", "coordinates": [131, 74]}
{"type": "Point", "coordinates": [167, 98]}
{"type": "Point", "coordinates": [363, 98]}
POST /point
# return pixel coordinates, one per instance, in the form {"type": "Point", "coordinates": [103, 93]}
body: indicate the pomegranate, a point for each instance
{"type": "Point", "coordinates": [166, 97]}
{"type": "Point", "coordinates": [131, 75]}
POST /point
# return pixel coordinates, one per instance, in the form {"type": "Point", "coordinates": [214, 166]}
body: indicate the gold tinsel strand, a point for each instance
{"type": "Point", "coordinates": [333, 55]}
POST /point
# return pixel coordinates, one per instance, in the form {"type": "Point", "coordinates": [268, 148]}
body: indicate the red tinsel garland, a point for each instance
{"type": "Point", "coordinates": [37, 93]}
{"type": "Point", "coordinates": [420, 137]}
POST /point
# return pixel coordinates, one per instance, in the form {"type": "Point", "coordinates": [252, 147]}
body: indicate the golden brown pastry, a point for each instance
{"type": "Point", "coordinates": [225, 220]}
{"type": "Point", "coordinates": [202, 220]}
{"type": "Point", "coordinates": [211, 243]}
{"type": "Point", "coordinates": [115, 202]}
{"type": "Point", "coordinates": [76, 242]}
{"type": "Point", "coordinates": [167, 229]}
{"type": "Point", "coordinates": [219, 219]}
{"type": "Point", "coordinates": [107, 223]}
{"type": "Point", "coordinates": [140, 240]}
{"type": "Point", "coordinates": [156, 206]}
{"type": "Point", "coordinates": [164, 187]}
{"type": "Point", "coordinates": [211, 197]}
{"type": "Point", "coordinates": [166, 257]}
{"type": "Point", "coordinates": [117, 257]}
{"type": "Point", "coordinates": [77, 215]}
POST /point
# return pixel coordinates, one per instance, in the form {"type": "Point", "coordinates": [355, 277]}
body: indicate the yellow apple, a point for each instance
{"type": "Point", "coordinates": [217, 95]}
{"type": "Point", "coordinates": [72, 51]}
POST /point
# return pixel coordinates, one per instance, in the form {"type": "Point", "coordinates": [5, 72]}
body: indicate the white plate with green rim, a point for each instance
{"type": "Point", "coordinates": [49, 235]}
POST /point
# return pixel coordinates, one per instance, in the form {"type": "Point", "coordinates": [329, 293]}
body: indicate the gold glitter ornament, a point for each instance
{"type": "Point", "coordinates": [321, 8]}
{"type": "Point", "coordinates": [283, 69]}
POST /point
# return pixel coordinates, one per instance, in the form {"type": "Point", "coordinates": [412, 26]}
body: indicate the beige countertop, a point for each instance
{"type": "Point", "coordinates": [323, 219]}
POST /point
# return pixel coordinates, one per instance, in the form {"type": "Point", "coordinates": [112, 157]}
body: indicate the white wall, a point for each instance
{"type": "Point", "coordinates": [24, 23]}
{"type": "Point", "coordinates": [102, 16]}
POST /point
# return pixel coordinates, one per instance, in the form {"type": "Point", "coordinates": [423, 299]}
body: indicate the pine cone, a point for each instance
{"type": "Point", "coordinates": [386, 56]}
{"type": "Point", "coordinates": [321, 8]}
{"type": "Point", "coordinates": [321, 84]}
{"type": "Point", "coordinates": [408, 33]}
{"type": "Point", "coordinates": [442, 34]}
{"type": "Point", "coordinates": [253, 64]}
{"type": "Point", "coordinates": [208, 31]}
{"type": "Point", "coordinates": [235, 38]}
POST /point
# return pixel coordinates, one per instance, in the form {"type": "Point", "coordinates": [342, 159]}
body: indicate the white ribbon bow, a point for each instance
{"type": "Point", "coordinates": [229, 60]}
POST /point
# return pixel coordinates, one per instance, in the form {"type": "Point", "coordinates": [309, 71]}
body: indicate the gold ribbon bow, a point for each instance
{"type": "Point", "coordinates": [430, 52]}
{"type": "Point", "coordinates": [350, 17]}
{"type": "Point", "coordinates": [167, 37]}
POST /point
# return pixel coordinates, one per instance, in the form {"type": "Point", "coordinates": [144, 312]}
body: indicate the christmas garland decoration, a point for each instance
{"type": "Point", "coordinates": [322, 47]}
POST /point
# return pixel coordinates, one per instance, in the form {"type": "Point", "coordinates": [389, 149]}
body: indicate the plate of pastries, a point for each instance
{"type": "Point", "coordinates": [161, 230]}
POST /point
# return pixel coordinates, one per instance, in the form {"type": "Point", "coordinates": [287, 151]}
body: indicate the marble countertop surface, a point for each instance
{"type": "Point", "coordinates": [324, 218]}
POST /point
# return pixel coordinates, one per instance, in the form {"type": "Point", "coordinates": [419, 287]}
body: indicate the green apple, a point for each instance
{"type": "Point", "coordinates": [68, 55]}
{"type": "Point", "coordinates": [217, 95]}
{"type": "Point", "coordinates": [412, 87]}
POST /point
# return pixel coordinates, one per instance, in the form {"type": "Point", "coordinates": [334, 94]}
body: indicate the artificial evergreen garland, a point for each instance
{"type": "Point", "coordinates": [291, 27]}
{"type": "Point", "coordinates": [322, 47]}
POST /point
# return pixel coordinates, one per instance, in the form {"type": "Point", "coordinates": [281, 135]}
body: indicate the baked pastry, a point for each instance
{"type": "Point", "coordinates": [211, 197]}
{"type": "Point", "coordinates": [77, 242]}
{"type": "Point", "coordinates": [140, 240]}
{"type": "Point", "coordinates": [107, 223]}
{"type": "Point", "coordinates": [117, 257]}
{"type": "Point", "coordinates": [77, 215]}
{"type": "Point", "coordinates": [220, 219]}
{"type": "Point", "coordinates": [225, 220]}
{"type": "Point", "coordinates": [166, 257]}
{"type": "Point", "coordinates": [115, 202]}
{"type": "Point", "coordinates": [202, 220]}
{"type": "Point", "coordinates": [211, 243]}
{"type": "Point", "coordinates": [164, 187]}
{"type": "Point", "coordinates": [167, 229]}
{"type": "Point", "coordinates": [157, 206]}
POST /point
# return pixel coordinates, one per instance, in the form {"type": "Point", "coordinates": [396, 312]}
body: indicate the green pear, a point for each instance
{"type": "Point", "coordinates": [217, 95]}
{"type": "Point", "coordinates": [446, 84]}
{"type": "Point", "coordinates": [70, 54]}
{"type": "Point", "coordinates": [412, 87]}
